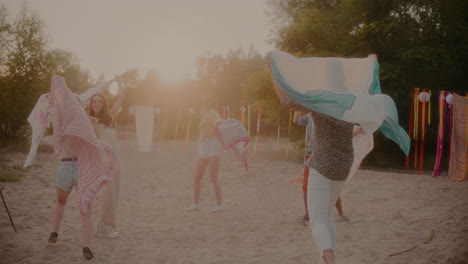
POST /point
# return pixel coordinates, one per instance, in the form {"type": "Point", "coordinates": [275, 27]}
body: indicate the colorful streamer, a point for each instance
{"type": "Point", "coordinates": [187, 133]}
{"type": "Point", "coordinates": [248, 119]}
{"type": "Point", "coordinates": [289, 134]}
{"type": "Point", "coordinates": [459, 139]}
{"type": "Point", "coordinates": [259, 116]}
{"type": "Point", "coordinates": [415, 127]}
{"type": "Point", "coordinates": [410, 126]}
{"type": "Point", "coordinates": [176, 128]}
{"type": "Point", "coordinates": [278, 136]}
{"type": "Point", "coordinates": [423, 131]}
{"type": "Point", "coordinates": [440, 133]}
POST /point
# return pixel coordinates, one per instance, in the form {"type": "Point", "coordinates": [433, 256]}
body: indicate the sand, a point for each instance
{"type": "Point", "coordinates": [389, 213]}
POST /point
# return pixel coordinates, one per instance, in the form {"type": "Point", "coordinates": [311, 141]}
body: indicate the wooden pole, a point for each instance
{"type": "Point", "coordinates": [8, 212]}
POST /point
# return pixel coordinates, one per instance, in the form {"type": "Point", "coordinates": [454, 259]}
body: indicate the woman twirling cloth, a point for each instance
{"type": "Point", "coordinates": [339, 93]}
{"type": "Point", "coordinates": [345, 89]}
{"type": "Point", "coordinates": [95, 159]}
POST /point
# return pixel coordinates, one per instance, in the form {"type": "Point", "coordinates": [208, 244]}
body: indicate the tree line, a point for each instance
{"type": "Point", "coordinates": [419, 43]}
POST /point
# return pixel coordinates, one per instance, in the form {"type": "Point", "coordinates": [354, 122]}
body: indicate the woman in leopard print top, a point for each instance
{"type": "Point", "coordinates": [330, 164]}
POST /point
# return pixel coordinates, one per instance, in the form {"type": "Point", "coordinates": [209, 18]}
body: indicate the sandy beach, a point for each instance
{"type": "Point", "coordinates": [389, 213]}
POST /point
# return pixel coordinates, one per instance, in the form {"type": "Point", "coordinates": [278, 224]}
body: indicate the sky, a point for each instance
{"type": "Point", "coordinates": [112, 36]}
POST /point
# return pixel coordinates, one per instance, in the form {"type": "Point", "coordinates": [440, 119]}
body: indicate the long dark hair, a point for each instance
{"type": "Point", "coordinates": [103, 116]}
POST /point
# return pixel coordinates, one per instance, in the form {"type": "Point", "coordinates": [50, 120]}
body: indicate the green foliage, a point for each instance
{"type": "Point", "coordinates": [8, 172]}
{"type": "Point", "coordinates": [419, 43]}
{"type": "Point", "coordinates": [26, 67]}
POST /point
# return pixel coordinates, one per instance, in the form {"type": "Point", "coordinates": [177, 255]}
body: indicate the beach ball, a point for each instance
{"type": "Point", "coordinates": [424, 97]}
{"type": "Point", "coordinates": [242, 109]}
{"type": "Point", "coordinates": [449, 99]}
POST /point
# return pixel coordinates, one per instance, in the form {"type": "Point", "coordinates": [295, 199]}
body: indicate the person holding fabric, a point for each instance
{"type": "Point", "coordinates": [209, 153]}
{"type": "Point", "coordinates": [307, 121]}
{"type": "Point", "coordinates": [103, 120]}
{"type": "Point", "coordinates": [339, 93]}
{"type": "Point", "coordinates": [67, 178]}
{"type": "Point", "coordinates": [84, 163]}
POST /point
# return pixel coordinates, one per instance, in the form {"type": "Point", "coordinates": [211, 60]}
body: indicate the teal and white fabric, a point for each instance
{"type": "Point", "coordinates": [345, 89]}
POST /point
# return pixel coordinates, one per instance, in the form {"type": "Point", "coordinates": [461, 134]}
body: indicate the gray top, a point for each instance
{"type": "Point", "coordinates": [332, 155]}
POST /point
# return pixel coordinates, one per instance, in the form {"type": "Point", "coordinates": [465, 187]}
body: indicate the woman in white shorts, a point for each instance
{"type": "Point", "coordinates": [209, 153]}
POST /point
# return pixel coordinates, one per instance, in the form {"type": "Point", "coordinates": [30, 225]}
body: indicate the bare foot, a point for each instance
{"type": "Point", "coordinates": [328, 256]}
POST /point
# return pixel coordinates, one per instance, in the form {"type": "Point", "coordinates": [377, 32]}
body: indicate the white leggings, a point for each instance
{"type": "Point", "coordinates": [322, 194]}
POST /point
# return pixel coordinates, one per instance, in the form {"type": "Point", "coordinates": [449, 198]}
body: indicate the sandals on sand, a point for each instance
{"type": "Point", "coordinates": [87, 253]}
{"type": "Point", "coordinates": [304, 218]}
{"type": "Point", "coordinates": [53, 237]}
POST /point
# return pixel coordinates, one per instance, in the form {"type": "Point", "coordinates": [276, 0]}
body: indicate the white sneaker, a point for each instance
{"type": "Point", "coordinates": [113, 234]}
{"type": "Point", "coordinates": [194, 207]}
{"type": "Point", "coordinates": [217, 208]}
{"type": "Point", "coordinates": [343, 218]}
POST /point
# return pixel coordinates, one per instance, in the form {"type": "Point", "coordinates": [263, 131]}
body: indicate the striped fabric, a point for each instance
{"type": "Point", "coordinates": [458, 165]}
{"type": "Point", "coordinates": [95, 159]}
{"type": "Point", "coordinates": [233, 135]}
{"type": "Point", "coordinates": [39, 118]}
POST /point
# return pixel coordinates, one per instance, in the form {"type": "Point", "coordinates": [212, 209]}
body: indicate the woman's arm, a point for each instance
{"type": "Point", "coordinates": [115, 109]}
{"type": "Point", "coordinates": [357, 130]}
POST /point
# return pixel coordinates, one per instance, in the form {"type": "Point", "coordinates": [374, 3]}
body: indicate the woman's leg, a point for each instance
{"type": "Point", "coordinates": [59, 208]}
{"type": "Point", "coordinates": [339, 207]}
{"type": "Point", "coordinates": [322, 195]}
{"type": "Point", "coordinates": [305, 182]}
{"type": "Point", "coordinates": [214, 168]}
{"type": "Point", "coordinates": [86, 227]}
{"type": "Point", "coordinates": [201, 165]}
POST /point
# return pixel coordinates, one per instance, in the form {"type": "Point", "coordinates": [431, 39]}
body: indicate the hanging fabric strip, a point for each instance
{"type": "Point", "coordinates": [416, 128]}
{"type": "Point", "coordinates": [248, 119]}
{"type": "Point", "coordinates": [278, 135]}
{"type": "Point", "coordinates": [176, 128]}
{"type": "Point", "coordinates": [458, 167]}
{"type": "Point", "coordinates": [259, 116]}
{"type": "Point", "coordinates": [410, 126]}
{"type": "Point", "coordinates": [429, 109]}
{"type": "Point", "coordinates": [440, 134]}
{"type": "Point", "coordinates": [187, 133]}
{"type": "Point", "coordinates": [423, 130]}
{"type": "Point", "coordinates": [289, 134]}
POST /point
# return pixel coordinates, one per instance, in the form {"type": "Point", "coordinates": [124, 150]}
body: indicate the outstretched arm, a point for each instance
{"type": "Point", "coordinates": [85, 97]}
{"type": "Point", "coordinates": [118, 103]}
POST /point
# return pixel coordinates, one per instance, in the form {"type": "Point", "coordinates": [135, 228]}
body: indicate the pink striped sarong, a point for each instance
{"type": "Point", "coordinates": [458, 165]}
{"type": "Point", "coordinates": [233, 135]}
{"type": "Point", "coordinates": [95, 159]}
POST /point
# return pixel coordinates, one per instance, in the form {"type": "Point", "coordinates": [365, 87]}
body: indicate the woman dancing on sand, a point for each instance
{"type": "Point", "coordinates": [84, 163]}
{"type": "Point", "coordinates": [339, 93]}
{"type": "Point", "coordinates": [104, 125]}
{"type": "Point", "coordinates": [209, 153]}
{"type": "Point", "coordinates": [307, 121]}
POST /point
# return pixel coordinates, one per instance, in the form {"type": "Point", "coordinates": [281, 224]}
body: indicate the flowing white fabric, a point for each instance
{"type": "Point", "coordinates": [345, 89]}
{"type": "Point", "coordinates": [39, 119]}
{"type": "Point", "coordinates": [144, 117]}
